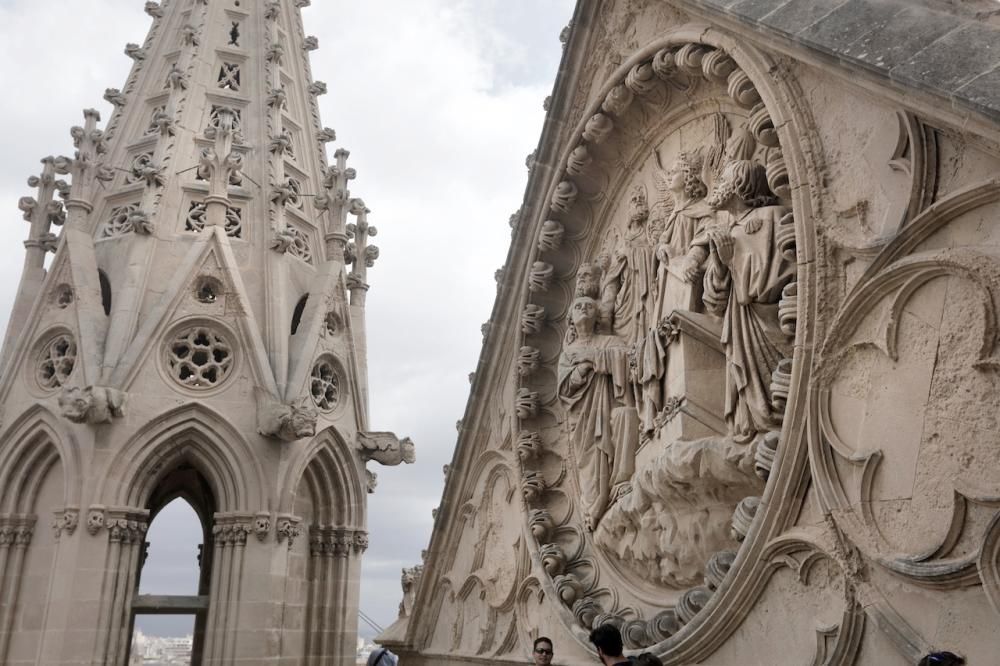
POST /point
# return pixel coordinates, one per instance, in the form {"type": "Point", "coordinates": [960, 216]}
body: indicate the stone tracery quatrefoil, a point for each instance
{"type": "Point", "coordinates": [199, 357]}
{"type": "Point", "coordinates": [56, 362]}
{"type": "Point", "coordinates": [324, 384]}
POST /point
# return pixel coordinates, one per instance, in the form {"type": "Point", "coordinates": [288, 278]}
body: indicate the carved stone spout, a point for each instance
{"type": "Point", "coordinates": [386, 449]}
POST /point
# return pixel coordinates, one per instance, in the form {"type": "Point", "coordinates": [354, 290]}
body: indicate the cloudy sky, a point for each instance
{"type": "Point", "coordinates": [439, 102]}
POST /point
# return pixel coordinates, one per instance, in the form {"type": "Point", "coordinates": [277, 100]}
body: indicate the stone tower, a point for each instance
{"type": "Point", "coordinates": [199, 333]}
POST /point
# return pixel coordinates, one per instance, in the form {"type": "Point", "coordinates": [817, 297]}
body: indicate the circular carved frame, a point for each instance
{"type": "Point", "coordinates": [553, 268]}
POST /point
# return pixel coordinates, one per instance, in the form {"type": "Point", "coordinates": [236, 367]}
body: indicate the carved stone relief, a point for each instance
{"type": "Point", "coordinates": [673, 366]}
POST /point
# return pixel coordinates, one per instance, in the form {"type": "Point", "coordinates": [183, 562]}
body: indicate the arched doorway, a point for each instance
{"type": "Point", "coordinates": [174, 578]}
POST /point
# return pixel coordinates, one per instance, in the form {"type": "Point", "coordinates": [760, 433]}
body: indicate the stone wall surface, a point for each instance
{"type": "Point", "coordinates": [739, 392]}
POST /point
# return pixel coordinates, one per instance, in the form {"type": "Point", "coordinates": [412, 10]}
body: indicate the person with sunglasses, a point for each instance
{"type": "Point", "coordinates": [541, 651]}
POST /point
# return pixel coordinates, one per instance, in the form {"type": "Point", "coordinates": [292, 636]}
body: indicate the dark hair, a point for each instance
{"type": "Point", "coordinates": [542, 639]}
{"type": "Point", "coordinates": [648, 659]}
{"type": "Point", "coordinates": [941, 659]}
{"type": "Point", "coordinates": [607, 639]}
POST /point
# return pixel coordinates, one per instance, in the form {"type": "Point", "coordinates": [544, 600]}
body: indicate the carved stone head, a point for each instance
{"type": "Point", "coordinates": [75, 403]}
{"type": "Point", "coordinates": [685, 176]}
{"type": "Point", "coordinates": [583, 316]}
{"type": "Point", "coordinates": [95, 521]}
{"type": "Point", "coordinates": [302, 421]}
{"type": "Point", "coordinates": [262, 525]}
{"type": "Point", "coordinates": [588, 280]}
{"type": "Point", "coordinates": [638, 206]}
{"type": "Point", "coordinates": [744, 181]}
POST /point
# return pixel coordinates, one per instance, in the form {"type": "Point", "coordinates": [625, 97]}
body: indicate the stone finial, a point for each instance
{"type": "Point", "coordinates": [362, 255]}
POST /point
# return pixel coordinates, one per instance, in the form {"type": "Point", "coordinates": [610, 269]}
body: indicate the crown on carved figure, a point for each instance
{"type": "Point", "coordinates": [693, 159]}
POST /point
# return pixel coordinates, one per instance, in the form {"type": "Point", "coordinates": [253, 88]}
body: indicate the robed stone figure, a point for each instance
{"type": "Point", "coordinates": [743, 280]}
{"type": "Point", "coordinates": [594, 387]}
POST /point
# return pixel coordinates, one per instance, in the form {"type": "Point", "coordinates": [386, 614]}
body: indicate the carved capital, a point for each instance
{"type": "Point", "coordinates": [290, 528]}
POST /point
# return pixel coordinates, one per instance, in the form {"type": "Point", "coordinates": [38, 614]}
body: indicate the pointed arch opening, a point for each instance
{"type": "Point", "coordinates": [105, 291]}
{"type": "Point", "coordinates": [173, 580]}
{"type": "Point", "coordinates": [300, 307]}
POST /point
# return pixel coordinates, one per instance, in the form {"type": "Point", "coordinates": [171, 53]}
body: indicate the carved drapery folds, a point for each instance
{"type": "Point", "coordinates": [674, 367]}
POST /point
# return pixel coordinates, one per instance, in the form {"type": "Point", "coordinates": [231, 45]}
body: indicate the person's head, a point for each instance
{"type": "Point", "coordinates": [382, 657]}
{"type": "Point", "coordinates": [608, 641]}
{"type": "Point", "coordinates": [744, 180]}
{"type": "Point", "coordinates": [648, 659]}
{"type": "Point", "coordinates": [542, 651]}
{"type": "Point", "coordinates": [942, 659]}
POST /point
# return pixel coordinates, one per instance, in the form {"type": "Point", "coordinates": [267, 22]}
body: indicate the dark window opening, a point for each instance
{"type": "Point", "coordinates": [105, 291]}
{"type": "Point", "coordinates": [300, 307]}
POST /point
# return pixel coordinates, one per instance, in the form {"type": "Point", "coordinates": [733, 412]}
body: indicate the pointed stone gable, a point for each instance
{"type": "Point", "coordinates": [199, 333]}
{"type": "Point", "coordinates": [738, 396]}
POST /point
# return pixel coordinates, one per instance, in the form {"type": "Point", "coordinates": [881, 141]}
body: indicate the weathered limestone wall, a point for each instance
{"type": "Point", "coordinates": [738, 394]}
